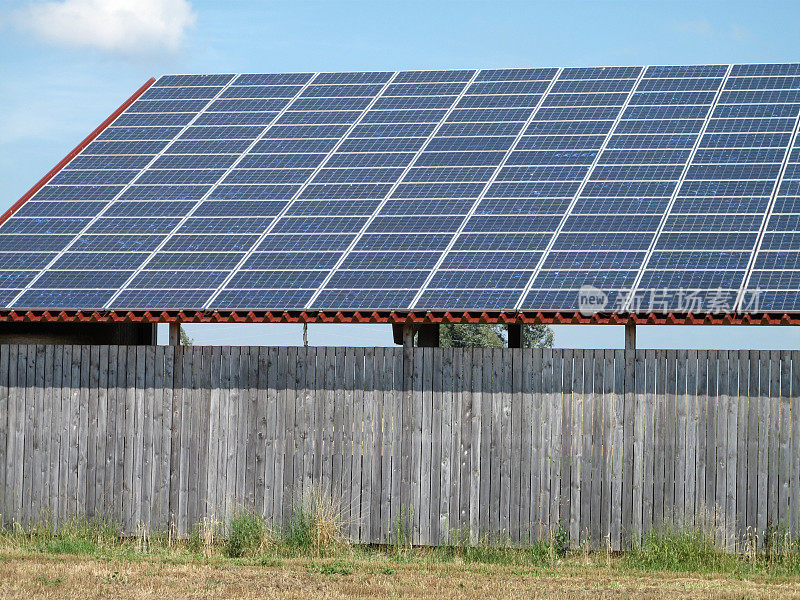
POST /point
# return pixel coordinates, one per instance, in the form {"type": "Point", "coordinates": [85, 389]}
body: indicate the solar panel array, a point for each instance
{"type": "Point", "coordinates": [499, 189]}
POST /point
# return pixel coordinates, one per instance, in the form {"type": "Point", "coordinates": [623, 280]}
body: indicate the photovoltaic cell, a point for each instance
{"type": "Point", "coordinates": [665, 188]}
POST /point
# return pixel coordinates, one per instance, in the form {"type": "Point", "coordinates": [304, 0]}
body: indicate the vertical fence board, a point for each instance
{"type": "Point", "coordinates": [794, 447]}
{"type": "Point", "coordinates": [648, 436]}
{"type": "Point", "coordinates": [718, 468]}
{"type": "Point", "coordinates": [517, 428]}
{"type": "Point", "coordinates": [784, 457]}
{"type": "Point", "coordinates": [567, 401]}
{"type": "Point", "coordinates": [617, 446]}
{"type": "Point", "coordinates": [637, 426]}
{"type": "Point", "coordinates": [357, 426]}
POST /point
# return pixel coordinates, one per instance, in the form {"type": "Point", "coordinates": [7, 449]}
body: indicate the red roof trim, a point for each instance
{"type": "Point", "coordinates": [390, 317]}
{"type": "Point", "coordinates": [75, 151]}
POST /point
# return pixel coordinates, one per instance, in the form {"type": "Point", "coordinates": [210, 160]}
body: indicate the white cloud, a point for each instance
{"type": "Point", "coordinates": [698, 28]}
{"type": "Point", "coordinates": [133, 27]}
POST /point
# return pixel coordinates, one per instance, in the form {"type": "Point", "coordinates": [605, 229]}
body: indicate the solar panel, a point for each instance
{"type": "Point", "coordinates": [664, 188]}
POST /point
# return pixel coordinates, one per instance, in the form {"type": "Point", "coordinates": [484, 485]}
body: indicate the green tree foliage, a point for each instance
{"type": "Point", "coordinates": [185, 339]}
{"type": "Point", "coordinates": [469, 336]}
{"type": "Point", "coordinates": [492, 336]}
{"type": "Point", "coordinates": [537, 336]}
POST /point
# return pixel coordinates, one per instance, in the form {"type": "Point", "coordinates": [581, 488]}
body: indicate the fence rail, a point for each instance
{"type": "Point", "coordinates": [513, 444]}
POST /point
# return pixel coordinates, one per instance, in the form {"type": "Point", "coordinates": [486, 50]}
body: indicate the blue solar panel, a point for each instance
{"type": "Point", "coordinates": [665, 188]}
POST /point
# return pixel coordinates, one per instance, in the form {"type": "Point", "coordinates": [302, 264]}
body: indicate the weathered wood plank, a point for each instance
{"type": "Point", "coordinates": [648, 437]}
{"type": "Point", "coordinates": [5, 427]}
{"type": "Point", "coordinates": [456, 468]}
{"type": "Point", "coordinates": [554, 447]}
{"type": "Point", "coordinates": [772, 466]}
{"type": "Point", "coordinates": [545, 453]}
{"type": "Point", "coordinates": [565, 445]}
{"type": "Point", "coordinates": [485, 364]}
{"type": "Point", "coordinates": [794, 446]}
{"type": "Point", "coordinates": [737, 421]}
{"type": "Point", "coordinates": [445, 501]}
{"type": "Point", "coordinates": [298, 470]}
{"type": "Point", "coordinates": [309, 415]}
{"type": "Point", "coordinates": [344, 358]}
{"type": "Point", "coordinates": [527, 400]}
{"type": "Point", "coordinates": [289, 499]}
{"type": "Point", "coordinates": [399, 360]}
{"type": "Point", "coordinates": [585, 468]}
{"type": "Point", "coordinates": [707, 439]}
{"type": "Point", "coordinates": [661, 402]}
{"type": "Point", "coordinates": [692, 396]}
{"type": "Point", "coordinates": [607, 500]}
{"type": "Point", "coordinates": [680, 485]}
{"type": "Point", "coordinates": [784, 456]}
{"type": "Point", "coordinates": [46, 419]}
{"type": "Point", "coordinates": [386, 450]}
{"type": "Point", "coordinates": [504, 454]}
{"type": "Point", "coordinates": [515, 379]}
{"type": "Point", "coordinates": [595, 536]}
{"type": "Point", "coordinates": [381, 464]}
{"type": "Point", "coordinates": [721, 462]}
{"type": "Point", "coordinates": [638, 427]}
{"type": "Point", "coordinates": [753, 439]}
{"type": "Point", "coordinates": [16, 432]}
{"type": "Point", "coordinates": [148, 441]}
{"type": "Point", "coordinates": [359, 483]}
{"type": "Point", "coordinates": [335, 366]}
{"type": "Point", "coordinates": [673, 416]}
{"type": "Point", "coordinates": [764, 426]}
{"type": "Point", "coordinates": [436, 514]}
{"type": "Point", "coordinates": [617, 448]}
{"type": "Point", "coordinates": [271, 447]}
{"type": "Point", "coordinates": [279, 445]}
{"type": "Point", "coordinates": [418, 418]}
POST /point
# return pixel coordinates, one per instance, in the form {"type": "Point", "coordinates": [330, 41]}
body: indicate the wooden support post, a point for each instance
{"type": "Point", "coordinates": [515, 335]}
{"type": "Point", "coordinates": [174, 334]}
{"type": "Point", "coordinates": [403, 334]}
{"type": "Point", "coordinates": [428, 336]}
{"type": "Point", "coordinates": [630, 335]}
{"type": "Point", "coordinates": [408, 336]}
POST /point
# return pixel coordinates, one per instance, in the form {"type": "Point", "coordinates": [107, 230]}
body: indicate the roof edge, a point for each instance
{"type": "Point", "coordinates": [75, 151]}
{"type": "Point", "coordinates": [396, 317]}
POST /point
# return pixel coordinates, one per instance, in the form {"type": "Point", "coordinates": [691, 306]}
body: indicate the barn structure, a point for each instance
{"type": "Point", "coordinates": [606, 195]}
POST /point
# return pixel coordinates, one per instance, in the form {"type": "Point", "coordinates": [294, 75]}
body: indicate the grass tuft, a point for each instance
{"type": "Point", "coordinates": [316, 526]}
{"type": "Point", "coordinates": [247, 534]}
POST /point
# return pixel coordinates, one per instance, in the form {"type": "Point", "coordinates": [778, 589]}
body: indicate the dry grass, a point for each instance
{"type": "Point", "coordinates": [42, 576]}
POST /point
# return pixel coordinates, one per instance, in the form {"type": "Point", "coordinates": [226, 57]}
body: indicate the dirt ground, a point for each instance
{"type": "Point", "coordinates": [81, 577]}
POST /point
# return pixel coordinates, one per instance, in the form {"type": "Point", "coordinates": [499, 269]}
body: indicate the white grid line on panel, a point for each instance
{"type": "Point", "coordinates": [115, 198]}
{"type": "Point", "coordinates": [767, 215]}
{"type": "Point", "coordinates": [389, 193]}
{"type": "Point", "coordinates": [199, 202]}
{"type": "Point", "coordinates": [299, 192]}
{"type": "Point", "coordinates": [676, 193]}
{"type": "Point", "coordinates": [482, 194]}
{"type": "Point", "coordinates": [580, 189]}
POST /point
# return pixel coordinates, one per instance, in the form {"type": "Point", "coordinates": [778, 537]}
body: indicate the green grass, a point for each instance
{"type": "Point", "coordinates": [695, 551]}
{"type": "Point", "coordinates": [679, 550]}
{"type": "Point", "coordinates": [315, 532]}
{"type": "Point", "coordinates": [246, 534]}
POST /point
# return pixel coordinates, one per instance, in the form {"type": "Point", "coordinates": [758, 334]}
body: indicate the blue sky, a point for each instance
{"type": "Point", "coordinates": [65, 68]}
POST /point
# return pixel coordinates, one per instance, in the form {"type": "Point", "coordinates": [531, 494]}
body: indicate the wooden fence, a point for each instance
{"type": "Point", "coordinates": [510, 444]}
